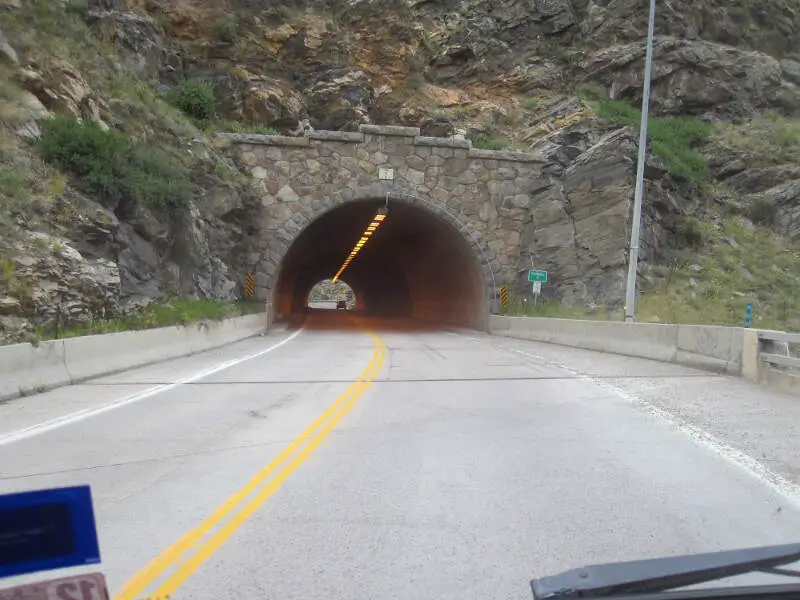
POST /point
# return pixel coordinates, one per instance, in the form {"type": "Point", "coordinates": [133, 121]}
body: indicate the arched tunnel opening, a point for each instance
{"type": "Point", "coordinates": [416, 265]}
{"type": "Point", "coordinates": [326, 294]}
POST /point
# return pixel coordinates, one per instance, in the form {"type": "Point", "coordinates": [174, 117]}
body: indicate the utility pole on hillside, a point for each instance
{"type": "Point", "coordinates": [633, 259]}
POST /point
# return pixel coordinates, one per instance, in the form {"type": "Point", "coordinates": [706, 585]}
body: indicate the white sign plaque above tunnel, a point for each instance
{"type": "Point", "coordinates": [387, 174]}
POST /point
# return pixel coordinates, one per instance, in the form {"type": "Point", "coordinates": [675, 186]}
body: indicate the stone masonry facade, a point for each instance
{"type": "Point", "coordinates": [485, 194]}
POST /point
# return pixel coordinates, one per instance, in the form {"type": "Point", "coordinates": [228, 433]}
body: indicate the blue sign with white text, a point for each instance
{"type": "Point", "coordinates": [47, 529]}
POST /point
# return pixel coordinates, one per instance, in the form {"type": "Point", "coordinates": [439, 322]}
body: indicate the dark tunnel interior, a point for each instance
{"type": "Point", "coordinates": [415, 265]}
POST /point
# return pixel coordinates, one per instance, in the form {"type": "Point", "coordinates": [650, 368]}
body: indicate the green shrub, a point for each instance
{"type": "Point", "coordinates": [530, 103]}
{"type": "Point", "coordinates": [278, 12]}
{"type": "Point", "coordinates": [195, 98]}
{"type": "Point", "coordinates": [674, 139]}
{"type": "Point", "coordinates": [762, 212]}
{"type": "Point", "coordinates": [739, 14]}
{"type": "Point", "coordinates": [113, 167]}
{"type": "Point", "coordinates": [693, 233]}
{"type": "Point", "coordinates": [80, 7]}
{"type": "Point", "coordinates": [487, 144]}
{"type": "Point", "coordinates": [671, 138]}
{"type": "Point", "coordinates": [225, 29]}
{"type": "Point", "coordinates": [619, 111]}
{"type": "Point", "coordinates": [789, 100]}
{"type": "Point", "coordinates": [7, 272]}
{"type": "Point", "coordinates": [164, 20]}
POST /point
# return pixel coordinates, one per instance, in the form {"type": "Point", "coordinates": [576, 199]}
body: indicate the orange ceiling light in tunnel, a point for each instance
{"type": "Point", "coordinates": [371, 229]}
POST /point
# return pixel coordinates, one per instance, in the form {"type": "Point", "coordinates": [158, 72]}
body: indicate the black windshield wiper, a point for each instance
{"type": "Point", "coordinates": [653, 578]}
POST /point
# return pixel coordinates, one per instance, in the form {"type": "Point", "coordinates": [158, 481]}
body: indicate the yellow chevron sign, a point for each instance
{"type": "Point", "coordinates": [249, 285]}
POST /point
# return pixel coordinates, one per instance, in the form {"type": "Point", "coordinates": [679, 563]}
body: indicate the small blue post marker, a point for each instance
{"type": "Point", "coordinates": [748, 316]}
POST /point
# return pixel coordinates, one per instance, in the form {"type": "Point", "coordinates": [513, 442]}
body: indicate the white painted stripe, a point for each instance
{"type": "Point", "coordinates": [39, 428]}
{"type": "Point", "coordinates": [781, 486]}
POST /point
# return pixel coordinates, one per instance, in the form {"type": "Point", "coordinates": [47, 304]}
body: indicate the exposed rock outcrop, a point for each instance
{"type": "Point", "coordinates": [691, 77]}
{"type": "Point", "coordinates": [61, 88]}
{"type": "Point", "coordinates": [251, 98]}
{"type": "Point", "coordinates": [500, 72]}
{"type": "Point", "coordinates": [580, 221]}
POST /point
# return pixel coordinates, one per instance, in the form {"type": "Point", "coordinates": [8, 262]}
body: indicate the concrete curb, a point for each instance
{"type": "Point", "coordinates": [783, 381]}
{"type": "Point", "coordinates": [711, 348]}
{"type": "Point", "coordinates": [26, 369]}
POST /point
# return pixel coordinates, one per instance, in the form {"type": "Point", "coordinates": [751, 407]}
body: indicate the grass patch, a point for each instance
{"type": "Point", "coordinates": [27, 186]}
{"type": "Point", "coordinates": [140, 108]}
{"type": "Point", "coordinates": [487, 144]}
{"type": "Point", "coordinates": [175, 311]}
{"type": "Point", "coordinates": [45, 29]}
{"type": "Point", "coordinates": [592, 92]}
{"type": "Point", "coordinates": [14, 183]}
{"type": "Point", "coordinates": [7, 272]}
{"type": "Point", "coordinates": [11, 98]}
{"type": "Point", "coordinates": [114, 167]}
{"type": "Point", "coordinates": [550, 309]}
{"type": "Point", "coordinates": [11, 283]}
{"type": "Point", "coordinates": [50, 28]}
{"type": "Point", "coordinates": [236, 127]}
{"type": "Point", "coordinates": [671, 138]}
{"type": "Point", "coordinates": [767, 140]}
{"type": "Point", "coordinates": [740, 264]}
{"type": "Point", "coordinates": [718, 270]}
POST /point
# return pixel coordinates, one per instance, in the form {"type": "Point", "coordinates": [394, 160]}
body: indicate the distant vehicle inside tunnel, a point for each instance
{"type": "Point", "coordinates": [417, 264]}
{"type": "Point", "coordinates": [329, 295]}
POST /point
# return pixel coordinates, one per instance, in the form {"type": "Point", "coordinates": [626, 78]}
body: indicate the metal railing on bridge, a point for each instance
{"type": "Point", "coordinates": [776, 348]}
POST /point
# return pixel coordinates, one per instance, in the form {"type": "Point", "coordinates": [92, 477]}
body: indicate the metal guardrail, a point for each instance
{"type": "Point", "coordinates": [779, 359]}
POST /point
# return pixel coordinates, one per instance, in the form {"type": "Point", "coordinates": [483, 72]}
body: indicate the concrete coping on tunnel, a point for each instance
{"type": "Point", "coordinates": [263, 140]}
{"type": "Point", "coordinates": [442, 142]}
{"type": "Point", "coordinates": [323, 135]}
{"type": "Point", "coordinates": [389, 130]}
{"type": "Point", "coordinates": [357, 137]}
{"type": "Point", "coordinates": [504, 155]}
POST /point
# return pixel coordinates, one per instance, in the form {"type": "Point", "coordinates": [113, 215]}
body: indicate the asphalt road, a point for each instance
{"type": "Point", "coordinates": [340, 463]}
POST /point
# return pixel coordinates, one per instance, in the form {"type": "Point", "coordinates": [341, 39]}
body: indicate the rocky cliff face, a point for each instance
{"type": "Point", "coordinates": [556, 77]}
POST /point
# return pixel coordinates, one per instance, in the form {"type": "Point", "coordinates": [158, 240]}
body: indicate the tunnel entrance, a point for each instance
{"type": "Point", "coordinates": [417, 264]}
{"type": "Point", "coordinates": [326, 293]}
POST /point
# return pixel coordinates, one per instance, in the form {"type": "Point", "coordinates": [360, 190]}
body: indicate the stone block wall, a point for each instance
{"type": "Point", "coordinates": [485, 194]}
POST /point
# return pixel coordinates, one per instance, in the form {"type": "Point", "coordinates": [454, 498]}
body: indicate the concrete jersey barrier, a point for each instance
{"type": "Point", "coordinates": [709, 347]}
{"type": "Point", "coordinates": [26, 369]}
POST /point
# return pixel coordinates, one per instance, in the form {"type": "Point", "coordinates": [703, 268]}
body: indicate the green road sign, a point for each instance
{"type": "Point", "coordinates": [535, 275]}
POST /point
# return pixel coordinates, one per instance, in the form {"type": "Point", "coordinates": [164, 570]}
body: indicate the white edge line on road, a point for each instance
{"type": "Point", "coordinates": [781, 486]}
{"type": "Point", "coordinates": [39, 428]}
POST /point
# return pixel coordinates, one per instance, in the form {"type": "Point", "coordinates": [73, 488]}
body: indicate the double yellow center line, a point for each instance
{"type": "Point", "coordinates": [199, 544]}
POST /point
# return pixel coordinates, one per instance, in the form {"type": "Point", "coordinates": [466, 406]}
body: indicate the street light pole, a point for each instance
{"type": "Point", "coordinates": [633, 259]}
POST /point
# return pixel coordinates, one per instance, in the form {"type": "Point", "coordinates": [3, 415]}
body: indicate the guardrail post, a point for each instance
{"type": "Point", "coordinates": [267, 316]}
{"type": "Point", "coordinates": [58, 321]}
{"type": "Point", "coordinates": [751, 359]}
